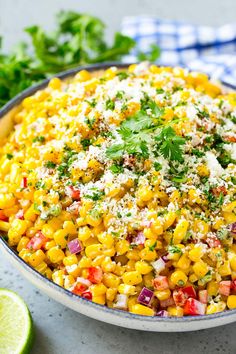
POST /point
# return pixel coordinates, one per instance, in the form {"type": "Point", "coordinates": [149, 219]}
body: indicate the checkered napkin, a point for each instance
{"type": "Point", "coordinates": [201, 48]}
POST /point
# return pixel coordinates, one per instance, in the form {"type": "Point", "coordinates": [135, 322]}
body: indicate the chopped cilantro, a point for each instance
{"type": "Point", "coordinates": [198, 153]}
{"type": "Point", "coordinates": [50, 164]}
{"type": "Point", "coordinates": [174, 249]}
{"type": "Point", "coordinates": [116, 168]}
{"type": "Point", "coordinates": [122, 75]}
{"type": "Point", "coordinates": [110, 104]}
{"type": "Point", "coordinates": [159, 90]}
{"type": "Point", "coordinates": [97, 195]}
{"type": "Point", "coordinates": [40, 184]}
{"type": "Point", "coordinates": [92, 103]}
{"type": "Point", "coordinates": [85, 143]}
{"type": "Point", "coordinates": [40, 139]}
{"type": "Point", "coordinates": [120, 95]}
{"type": "Point", "coordinates": [9, 156]}
{"type": "Point", "coordinates": [119, 215]}
{"type": "Point", "coordinates": [124, 107]}
{"type": "Point", "coordinates": [55, 210]}
{"type": "Point", "coordinates": [205, 279]}
{"type": "Point", "coordinates": [157, 166]}
{"type": "Point", "coordinates": [152, 247]}
{"type": "Point", "coordinates": [68, 158]}
{"type": "Point", "coordinates": [90, 122]}
{"type": "Point", "coordinates": [233, 179]}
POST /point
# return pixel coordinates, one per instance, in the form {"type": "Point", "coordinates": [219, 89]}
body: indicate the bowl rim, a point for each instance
{"type": "Point", "coordinates": [101, 308]}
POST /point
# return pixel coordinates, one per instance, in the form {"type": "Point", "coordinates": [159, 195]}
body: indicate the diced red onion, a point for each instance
{"type": "Point", "coordinates": [139, 239]}
{"type": "Point", "coordinates": [159, 265]}
{"type": "Point", "coordinates": [147, 223]}
{"type": "Point", "coordinates": [145, 297]}
{"type": "Point", "coordinates": [83, 281]}
{"type": "Point", "coordinates": [20, 214]}
{"type": "Point", "coordinates": [162, 313]}
{"type": "Point", "coordinates": [165, 258]}
{"type": "Point", "coordinates": [233, 228]}
{"type": "Point", "coordinates": [74, 246]}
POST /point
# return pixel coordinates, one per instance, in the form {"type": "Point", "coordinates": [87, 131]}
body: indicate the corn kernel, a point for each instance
{"type": "Point", "coordinates": [55, 254]}
{"type": "Point", "coordinates": [132, 278]}
{"type": "Point", "coordinates": [178, 278]}
{"type": "Point", "coordinates": [231, 302]}
{"type": "Point", "coordinates": [142, 310]}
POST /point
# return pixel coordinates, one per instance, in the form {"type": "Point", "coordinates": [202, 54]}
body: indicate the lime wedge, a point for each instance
{"type": "Point", "coordinates": [16, 329]}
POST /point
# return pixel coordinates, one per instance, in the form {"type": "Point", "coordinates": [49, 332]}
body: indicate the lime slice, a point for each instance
{"type": "Point", "coordinates": [16, 329]}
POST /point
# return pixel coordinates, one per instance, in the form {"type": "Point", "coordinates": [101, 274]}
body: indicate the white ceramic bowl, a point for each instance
{"type": "Point", "coordinates": [77, 303]}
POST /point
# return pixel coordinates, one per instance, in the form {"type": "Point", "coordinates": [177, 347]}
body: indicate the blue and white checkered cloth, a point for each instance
{"type": "Point", "coordinates": [201, 48]}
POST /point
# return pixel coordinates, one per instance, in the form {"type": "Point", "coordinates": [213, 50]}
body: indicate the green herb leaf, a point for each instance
{"type": "Point", "coordinates": [40, 139]}
{"type": "Point", "coordinates": [110, 104]}
{"type": "Point", "coordinates": [116, 168]}
{"type": "Point", "coordinates": [157, 166]}
{"type": "Point", "coordinates": [174, 249]}
{"type": "Point", "coordinates": [152, 247]}
{"type": "Point", "coordinates": [170, 144]}
{"type": "Point", "coordinates": [115, 151]}
{"type": "Point", "coordinates": [9, 156]}
{"type": "Point", "coordinates": [78, 39]}
{"type": "Point", "coordinates": [153, 54]}
{"type": "Point", "coordinates": [50, 164]}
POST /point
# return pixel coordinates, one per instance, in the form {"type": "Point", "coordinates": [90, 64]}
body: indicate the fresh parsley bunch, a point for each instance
{"type": "Point", "coordinates": [78, 39]}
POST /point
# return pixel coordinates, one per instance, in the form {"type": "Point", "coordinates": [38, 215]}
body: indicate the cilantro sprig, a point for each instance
{"type": "Point", "coordinates": [135, 131]}
{"type": "Point", "coordinates": [170, 145]}
{"type": "Point", "coordinates": [78, 39]}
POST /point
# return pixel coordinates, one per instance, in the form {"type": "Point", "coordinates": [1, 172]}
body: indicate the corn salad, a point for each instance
{"type": "Point", "coordinates": [121, 187]}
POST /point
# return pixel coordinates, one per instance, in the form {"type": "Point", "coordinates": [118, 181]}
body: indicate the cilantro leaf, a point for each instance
{"type": "Point", "coordinates": [78, 39]}
{"type": "Point", "coordinates": [169, 144]}
{"type": "Point", "coordinates": [153, 54]}
{"type": "Point", "coordinates": [9, 156]}
{"type": "Point", "coordinates": [135, 124]}
{"type": "Point", "coordinates": [115, 151]}
{"type": "Point", "coordinates": [174, 249]}
{"type": "Point", "coordinates": [116, 168]}
{"type": "Point", "coordinates": [50, 164]}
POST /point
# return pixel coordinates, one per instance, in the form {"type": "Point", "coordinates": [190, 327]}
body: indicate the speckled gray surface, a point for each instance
{"type": "Point", "coordinates": [58, 329]}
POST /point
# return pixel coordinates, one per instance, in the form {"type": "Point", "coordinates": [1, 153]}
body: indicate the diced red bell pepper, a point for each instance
{"type": "Point", "coordinates": [213, 242]}
{"type": "Point", "coordinates": [24, 182]}
{"type": "Point", "coordinates": [231, 139]}
{"type": "Point", "coordinates": [168, 302]}
{"type": "Point", "coordinates": [189, 291]}
{"type": "Point", "coordinates": [3, 217]}
{"type": "Point", "coordinates": [224, 287]}
{"type": "Point", "coordinates": [79, 289]}
{"type": "Point", "coordinates": [37, 242]}
{"type": "Point", "coordinates": [194, 307]}
{"type": "Point", "coordinates": [179, 297]}
{"type": "Point", "coordinates": [94, 275]}
{"type": "Point", "coordinates": [219, 190]}
{"type": "Point", "coordinates": [203, 296]}
{"type": "Point", "coordinates": [87, 295]}
{"type": "Point", "coordinates": [20, 214]}
{"type": "Point", "coordinates": [73, 192]}
{"type": "Point", "coordinates": [233, 285]}
{"type": "Point", "coordinates": [161, 283]}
